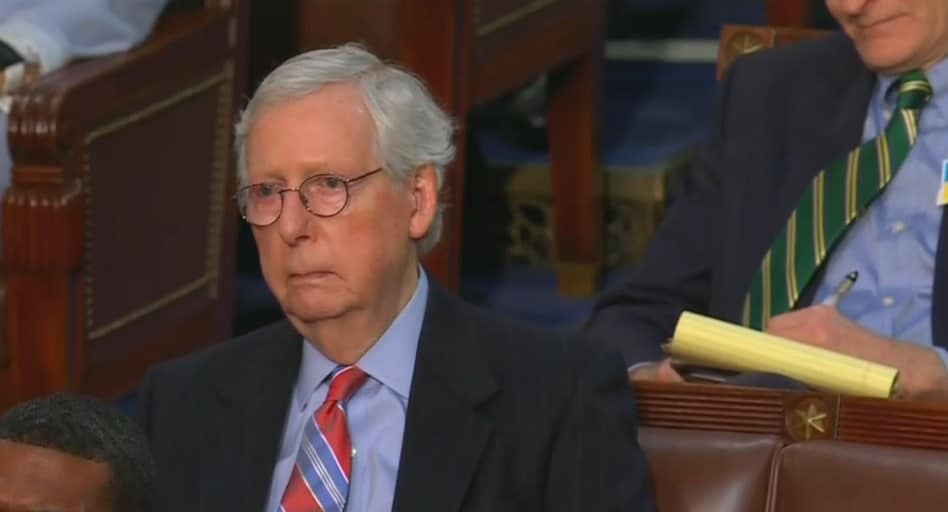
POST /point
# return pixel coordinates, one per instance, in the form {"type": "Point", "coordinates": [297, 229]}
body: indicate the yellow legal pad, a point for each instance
{"type": "Point", "coordinates": [708, 342]}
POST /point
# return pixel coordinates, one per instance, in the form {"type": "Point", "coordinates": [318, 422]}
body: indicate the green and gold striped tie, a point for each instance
{"type": "Point", "coordinates": [836, 197]}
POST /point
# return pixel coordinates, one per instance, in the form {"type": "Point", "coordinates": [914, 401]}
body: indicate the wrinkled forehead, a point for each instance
{"type": "Point", "coordinates": [329, 130]}
{"type": "Point", "coordinates": [34, 479]}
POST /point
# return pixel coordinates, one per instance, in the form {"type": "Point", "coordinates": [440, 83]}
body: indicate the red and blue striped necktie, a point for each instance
{"type": "Point", "coordinates": [320, 479]}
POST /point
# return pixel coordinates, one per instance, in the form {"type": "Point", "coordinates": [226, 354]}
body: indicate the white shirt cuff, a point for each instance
{"type": "Point", "coordinates": [636, 366]}
{"type": "Point", "coordinates": [34, 44]}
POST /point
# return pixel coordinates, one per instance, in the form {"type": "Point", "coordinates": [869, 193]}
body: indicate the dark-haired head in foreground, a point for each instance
{"type": "Point", "coordinates": [71, 453]}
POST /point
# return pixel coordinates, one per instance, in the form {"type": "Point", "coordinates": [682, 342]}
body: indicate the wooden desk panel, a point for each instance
{"type": "Point", "coordinates": [795, 416]}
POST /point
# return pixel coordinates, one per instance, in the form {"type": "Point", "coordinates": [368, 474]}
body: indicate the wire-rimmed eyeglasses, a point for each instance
{"type": "Point", "coordinates": [323, 195]}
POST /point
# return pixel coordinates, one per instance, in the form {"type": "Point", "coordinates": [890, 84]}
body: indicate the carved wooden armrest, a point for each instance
{"type": "Point", "coordinates": [42, 217]}
{"type": "Point", "coordinates": [46, 226]}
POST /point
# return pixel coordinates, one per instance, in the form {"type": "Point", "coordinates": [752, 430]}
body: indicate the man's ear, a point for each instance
{"type": "Point", "coordinates": [424, 191]}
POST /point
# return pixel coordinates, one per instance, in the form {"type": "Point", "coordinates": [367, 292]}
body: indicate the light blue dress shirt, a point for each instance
{"type": "Point", "coordinates": [376, 412]}
{"type": "Point", "coordinates": [893, 244]}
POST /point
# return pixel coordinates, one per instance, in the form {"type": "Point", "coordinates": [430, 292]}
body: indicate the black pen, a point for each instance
{"type": "Point", "coordinates": [842, 289]}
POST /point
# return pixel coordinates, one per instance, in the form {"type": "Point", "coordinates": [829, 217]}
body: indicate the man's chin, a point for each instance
{"type": "Point", "coordinates": [310, 312]}
{"type": "Point", "coordinates": [885, 56]}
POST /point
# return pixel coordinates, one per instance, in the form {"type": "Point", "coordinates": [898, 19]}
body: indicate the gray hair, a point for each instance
{"type": "Point", "coordinates": [411, 130]}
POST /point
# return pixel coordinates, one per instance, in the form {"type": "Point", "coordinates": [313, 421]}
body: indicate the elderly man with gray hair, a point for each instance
{"type": "Point", "coordinates": [380, 391]}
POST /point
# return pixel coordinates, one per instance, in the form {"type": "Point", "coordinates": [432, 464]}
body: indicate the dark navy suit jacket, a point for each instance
{"type": "Point", "coordinates": [500, 417]}
{"type": "Point", "coordinates": [782, 116]}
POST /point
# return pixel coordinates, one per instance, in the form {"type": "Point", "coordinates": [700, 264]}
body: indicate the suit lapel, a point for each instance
{"type": "Point", "coordinates": [445, 433]}
{"type": "Point", "coordinates": [836, 106]}
{"type": "Point", "coordinates": [246, 423]}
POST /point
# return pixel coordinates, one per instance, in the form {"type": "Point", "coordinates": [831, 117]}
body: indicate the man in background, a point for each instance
{"type": "Point", "coordinates": [826, 158]}
{"type": "Point", "coordinates": [72, 454]}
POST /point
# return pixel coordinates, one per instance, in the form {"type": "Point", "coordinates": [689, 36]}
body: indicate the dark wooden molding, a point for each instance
{"type": "Point", "coordinates": [27, 209]}
{"type": "Point", "coordinates": [900, 423]}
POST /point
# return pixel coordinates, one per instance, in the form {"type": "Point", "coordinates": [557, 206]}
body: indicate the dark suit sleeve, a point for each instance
{"type": "Point", "coordinates": [166, 425]}
{"type": "Point", "coordinates": [675, 273]}
{"type": "Point", "coordinates": [158, 391]}
{"type": "Point", "coordinates": [596, 463]}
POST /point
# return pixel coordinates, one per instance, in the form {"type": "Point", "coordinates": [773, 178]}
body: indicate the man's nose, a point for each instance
{"type": "Point", "coordinates": [852, 7]}
{"type": "Point", "coordinates": [294, 220]}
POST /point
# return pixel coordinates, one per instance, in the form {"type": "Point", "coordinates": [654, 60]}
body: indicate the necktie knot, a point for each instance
{"type": "Point", "coordinates": [345, 381]}
{"type": "Point", "coordinates": [320, 478]}
{"type": "Point", "coordinates": [914, 90]}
